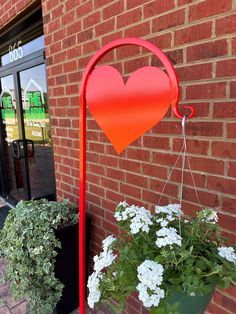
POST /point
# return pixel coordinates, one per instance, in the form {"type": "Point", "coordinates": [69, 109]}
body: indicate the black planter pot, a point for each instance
{"type": "Point", "coordinates": [66, 266]}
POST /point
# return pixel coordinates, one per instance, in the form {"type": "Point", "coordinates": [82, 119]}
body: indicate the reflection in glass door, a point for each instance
{"type": "Point", "coordinates": [26, 154]}
{"type": "Point", "coordinates": [36, 123]}
{"type": "Point", "coordinates": [14, 167]}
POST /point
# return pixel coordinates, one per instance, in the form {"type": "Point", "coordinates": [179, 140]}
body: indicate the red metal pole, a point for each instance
{"type": "Point", "coordinates": [82, 193]}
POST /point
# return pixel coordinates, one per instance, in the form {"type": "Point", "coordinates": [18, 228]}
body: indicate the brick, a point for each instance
{"type": "Point", "coordinates": [175, 56]}
{"type": "Point", "coordinates": [168, 20]}
{"type": "Point", "coordinates": [228, 204]}
{"type": "Point", "coordinates": [112, 10]}
{"type": "Point", "coordinates": [94, 189]}
{"type": "Point", "coordinates": [118, 175]}
{"type": "Point", "coordinates": [138, 154]}
{"type": "Point", "coordinates": [135, 64]}
{"type": "Point", "coordinates": [226, 302]}
{"type": "Point", "coordinates": [112, 228]}
{"type": "Point", "coordinates": [193, 33]}
{"type": "Point", "coordinates": [153, 197]}
{"type": "Point", "coordinates": [222, 184]}
{"type": "Point", "coordinates": [100, 3]}
{"type": "Point", "coordinates": [69, 41]}
{"type": "Point", "coordinates": [156, 7]}
{"type": "Point", "coordinates": [68, 18]}
{"type": "Point", "coordinates": [234, 46]}
{"type": "Point", "coordinates": [194, 72]}
{"type": "Point", "coordinates": [85, 35]}
{"type": "Point", "coordinates": [231, 130]}
{"type": "Point", "coordinates": [73, 28]}
{"type": "Point", "coordinates": [82, 9]}
{"type": "Point", "coordinates": [109, 184]}
{"type": "Point", "coordinates": [169, 189]}
{"type": "Point", "coordinates": [132, 166]}
{"type": "Point", "coordinates": [96, 147]}
{"type": "Point", "coordinates": [136, 180]}
{"type": "Point", "coordinates": [206, 91]}
{"type": "Point", "coordinates": [129, 17]}
{"type": "Point", "coordinates": [232, 169]}
{"type": "Point", "coordinates": [161, 41]}
{"type": "Point", "coordinates": [91, 20]}
{"type": "Point", "coordinates": [208, 8]}
{"type": "Point", "coordinates": [207, 165]}
{"type": "Point", "coordinates": [206, 198]}
{"type": "Point", "coordinates": [226, 25]}
{"type": "Point", "coordinates": [104, 28]}
{"type": "Point", "coordinates": [139, 30]}
{"type": "Point", "coordinates": [226, 68]}
{"type": "Point", "coordinates": [232, 89]}
{"type": "Point", "coordinates": [153, 170]}
{"type": "Point", "coordinates": [207, 50]}
{"type": "Point", "coordinates": [155, 142]}
{"type": "Point", "coordinates": [224, 110]}
{"type": "Point", "coordinates": [108, 161]}
{"type": "Point", "coordinates": [127, 51]}
{"type": "Point", "coordinates": [224, 149]}
{"type": "Point", "coordinates": [135, 3]}
{"type": "Point", "coordinates": [190, 178]}
{"type": "Point", "coordinates": [71, 4]}
{"type": "Point", "coordinates": [193, 146]}
{"type": "Point", "coordinates": [216, 309]}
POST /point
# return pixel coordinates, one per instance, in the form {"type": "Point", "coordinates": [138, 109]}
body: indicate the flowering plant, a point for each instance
{"type": "Point", "coordinates": [159, 254]}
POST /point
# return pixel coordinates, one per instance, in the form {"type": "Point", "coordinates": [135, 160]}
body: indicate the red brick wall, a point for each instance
{"type": "Point", "coordinates": [9, 9]}
{"type": "Point", "coordinates": [199, 37]}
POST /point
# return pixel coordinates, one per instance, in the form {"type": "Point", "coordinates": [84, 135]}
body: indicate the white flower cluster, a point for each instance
{"type": "Point", "coordinates": [208, 215]}
{"type": "Point", "coordinates": [167, 236]}
{"type": "Point", "coordinates": [150, 276]}
{"type": "Point", "coordinates": [140, 217]}
{"type": "Point", "coordinates": [171, 210]}
{"type": "Point", "coordinates": [105, 259]}
{"type": "Point", "coordinates": [227, 253]}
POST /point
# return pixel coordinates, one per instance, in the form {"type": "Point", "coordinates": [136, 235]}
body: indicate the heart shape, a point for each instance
{"type": "Point", "coordinates": [126, 111]}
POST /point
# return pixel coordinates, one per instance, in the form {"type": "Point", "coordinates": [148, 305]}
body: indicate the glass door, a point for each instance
{"type": "Point", "coordinates": [26, 145]}
{"type": "Point", "coordinates": [10, 132]}
{"type": "Point", "coordinates": [36, 124]}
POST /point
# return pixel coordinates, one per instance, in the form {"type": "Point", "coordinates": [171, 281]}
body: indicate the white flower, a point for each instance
{"type": "Point", "coordinates": [150, 299]}
{"type": "Point", "coordinates": [140, 218]}
{"type": "Point", "coordinates": [170, 209]}
{"type": "Point", "coordinates": [163, 222]}
{"type": "Point", "coordinates": [93, 285]}
{"type": "Point", "coordinates": [227, 253]}
{"type": "Point", "coordinates": [167, 236]}
{"type": "Point", "coordinates": [150, 273]}
{"type": "Point", "coordinates": [106, 243]}
{"type": "Point", "coordinates": [208, 215]}
{"type": "Point", "coordinates": [104, 260]}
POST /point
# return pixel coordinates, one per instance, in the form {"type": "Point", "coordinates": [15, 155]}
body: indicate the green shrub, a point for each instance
{"type": "Point", "coordinates": [28, 241]}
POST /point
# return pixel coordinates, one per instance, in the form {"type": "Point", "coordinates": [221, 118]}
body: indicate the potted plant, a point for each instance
{"type": "Point", "coordinates": [172, 261]}
{"type": "Point", "coordinates": [30, 239]}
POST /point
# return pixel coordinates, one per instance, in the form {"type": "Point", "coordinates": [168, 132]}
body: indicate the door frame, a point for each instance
{"type": "Point", "coordinates": [14, 69]}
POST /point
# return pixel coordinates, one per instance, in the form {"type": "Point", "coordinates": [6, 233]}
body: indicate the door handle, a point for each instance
{"type": "Point", "coordinates": [16, 151]}
{"type": "Point", "coordinates": [18, 148]}
{"type": "Point", "coordinates": [30, 148]}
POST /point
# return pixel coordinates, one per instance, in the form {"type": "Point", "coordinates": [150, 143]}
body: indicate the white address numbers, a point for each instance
{"type": "Point", "coordinates": [15, 52]}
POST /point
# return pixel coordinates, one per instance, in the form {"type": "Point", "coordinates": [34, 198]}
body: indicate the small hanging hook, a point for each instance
{"type": "Point", "coordinates": [183, 131]}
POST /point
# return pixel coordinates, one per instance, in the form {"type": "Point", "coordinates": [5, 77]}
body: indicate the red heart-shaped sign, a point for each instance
{"type": "Point", "coordinates": [126, 111]}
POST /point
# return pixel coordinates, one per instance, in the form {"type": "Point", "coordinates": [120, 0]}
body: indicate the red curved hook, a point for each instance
{"type": "Point", "coordinates": [151, 47]}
